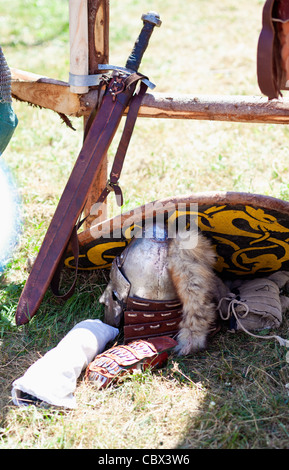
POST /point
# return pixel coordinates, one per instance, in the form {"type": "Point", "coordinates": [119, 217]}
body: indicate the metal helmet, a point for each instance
{"type": "Point", "coordinates": [141, 271]}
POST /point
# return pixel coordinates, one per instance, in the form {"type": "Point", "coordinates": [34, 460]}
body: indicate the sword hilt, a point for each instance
{"type": "Point", "coordinates": [150, 20]}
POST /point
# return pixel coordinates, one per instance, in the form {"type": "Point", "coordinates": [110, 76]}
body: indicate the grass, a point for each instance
{"type": "Point", "coordinates": [234, 395]}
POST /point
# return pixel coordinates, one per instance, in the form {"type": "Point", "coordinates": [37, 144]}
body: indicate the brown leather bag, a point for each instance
{"type": "Point", "coordinates": [271, 50]}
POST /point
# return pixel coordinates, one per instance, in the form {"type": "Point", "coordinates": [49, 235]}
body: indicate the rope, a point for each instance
{"type": "Point", "coordinates": [233, 302]}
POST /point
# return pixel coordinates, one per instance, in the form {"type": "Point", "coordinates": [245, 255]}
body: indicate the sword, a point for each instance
{"type": "Point", "coordinates": [63, 226]}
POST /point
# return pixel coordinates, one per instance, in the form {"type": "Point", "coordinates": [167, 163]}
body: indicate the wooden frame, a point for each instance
{"type": "Point", "coordinates": [89, 47]}
{"type": "Point", "coordinates": [55, 95]}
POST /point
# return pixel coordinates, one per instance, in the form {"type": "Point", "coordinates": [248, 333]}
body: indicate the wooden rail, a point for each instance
{"type": "Point", "coordinates": [89, 47]}
{"type": "Point", "coordinates": [56, 95]}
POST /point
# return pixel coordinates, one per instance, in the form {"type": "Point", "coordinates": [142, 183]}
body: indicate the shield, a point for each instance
{"type": "Point", "coordinates": [249, 232]}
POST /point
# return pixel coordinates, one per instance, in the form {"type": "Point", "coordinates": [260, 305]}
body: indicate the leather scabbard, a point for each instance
{"type": "Point", "coordinates": [72, 201]}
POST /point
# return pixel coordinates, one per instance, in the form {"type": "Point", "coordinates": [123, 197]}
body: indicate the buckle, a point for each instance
{"type": "Point", "coordinates": [110, 186]}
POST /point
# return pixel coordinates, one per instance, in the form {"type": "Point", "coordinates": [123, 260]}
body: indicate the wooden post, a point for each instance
{"type": "Point", "coordinates": [78, 37]}
{"type": "Point", "coordinates": [98, 46]}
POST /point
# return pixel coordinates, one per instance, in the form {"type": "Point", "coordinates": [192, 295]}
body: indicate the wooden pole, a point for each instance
{"type": "Point", "coordinates": [78, 37]}
{"type": "Point", "coordinates": [98, 46]}
{"type": "Point", "coordinates": [55, 95]}
{"type": "Point", "coordinates": [233, 108]}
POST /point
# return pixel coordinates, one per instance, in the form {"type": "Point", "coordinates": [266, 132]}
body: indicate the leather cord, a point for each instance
{"type": "Point", "coordinates": [231, 311]}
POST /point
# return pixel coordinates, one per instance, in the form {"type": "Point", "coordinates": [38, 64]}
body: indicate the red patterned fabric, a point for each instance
{"type": "Point", "coordinates": [119, 360]}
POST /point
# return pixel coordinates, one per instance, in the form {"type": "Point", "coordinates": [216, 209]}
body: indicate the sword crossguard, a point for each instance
{"type": "Point", "coordinates": [108, 67]}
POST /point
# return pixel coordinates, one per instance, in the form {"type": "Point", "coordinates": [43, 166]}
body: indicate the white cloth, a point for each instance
{"type": "Point", "coordinates": [53, 377]}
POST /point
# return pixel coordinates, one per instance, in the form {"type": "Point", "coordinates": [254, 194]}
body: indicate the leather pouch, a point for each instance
{"type": "Point", "coordinates": [273, 49]}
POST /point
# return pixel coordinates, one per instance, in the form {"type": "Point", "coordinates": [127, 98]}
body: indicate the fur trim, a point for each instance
{"type": "Point", "coordinates": [191, 263]}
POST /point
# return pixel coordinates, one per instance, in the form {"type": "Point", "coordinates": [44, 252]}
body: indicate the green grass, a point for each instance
{"type": "Point", "coordinates": [234, 395]}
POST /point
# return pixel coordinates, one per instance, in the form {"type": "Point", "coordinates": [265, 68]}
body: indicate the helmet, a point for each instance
{"type": "Point", "coordinates": [139, 277]}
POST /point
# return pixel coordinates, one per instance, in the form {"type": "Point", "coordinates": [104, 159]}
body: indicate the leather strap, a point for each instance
{"type": "Point", "coordinates": [132, 317]}
{"type": "Point", "coordinates": [112, 184]}
{"type": "Point", "coordinates": [134, 303]}
{"type": "Point", "coordinates": [149, 330]}
{"type": "Point", "coordinates": [149, 318]}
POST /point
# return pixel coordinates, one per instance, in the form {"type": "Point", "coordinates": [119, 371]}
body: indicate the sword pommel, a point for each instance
{"type": "Point", "coordinates": [150, 20]}
{"type": "Point", "coordinates": [152, 17]}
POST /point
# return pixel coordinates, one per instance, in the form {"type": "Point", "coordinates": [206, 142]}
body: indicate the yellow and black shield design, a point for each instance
{"type": "Point", "coordinates": [250, 232]}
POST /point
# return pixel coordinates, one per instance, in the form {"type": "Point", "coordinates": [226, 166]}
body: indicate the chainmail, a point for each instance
{"type": "Point", "coordinates": [5, 80]}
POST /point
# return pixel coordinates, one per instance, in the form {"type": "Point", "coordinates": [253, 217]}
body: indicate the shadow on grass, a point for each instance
{"type": "Point", "coordinates": [239, 382]}
{"type": "Point", "coordinates": [245, 395]}
{"type": "Point", "coordinates": [21, 346]}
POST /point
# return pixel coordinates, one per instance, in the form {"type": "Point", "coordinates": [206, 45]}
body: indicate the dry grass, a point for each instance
{"type": "Point", "coordinates": [233, 396]}
{"type": "Point", "coordinates": [230, 397]}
